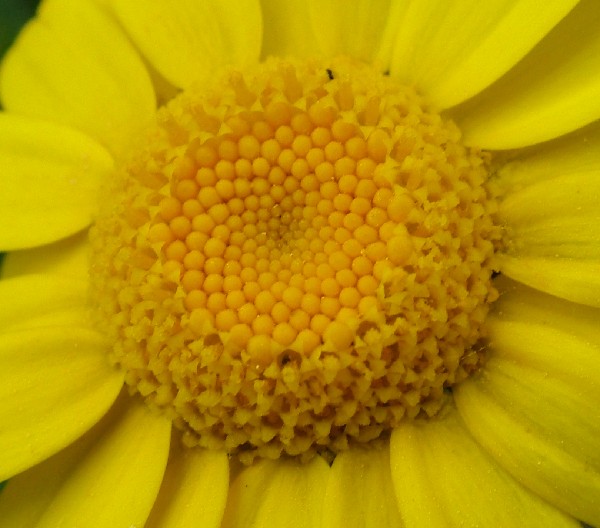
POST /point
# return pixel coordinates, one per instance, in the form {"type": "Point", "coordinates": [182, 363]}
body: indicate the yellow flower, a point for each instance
{"type": "Point", "coordinates": [343, 256]}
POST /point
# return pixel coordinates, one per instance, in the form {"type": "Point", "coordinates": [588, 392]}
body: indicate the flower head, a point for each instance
{"type": "Point", "coordinates": [349, 261]}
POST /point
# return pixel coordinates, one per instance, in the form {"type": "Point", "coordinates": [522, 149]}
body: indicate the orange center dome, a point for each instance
{"type": "Point", "coordinates": [296, 257]}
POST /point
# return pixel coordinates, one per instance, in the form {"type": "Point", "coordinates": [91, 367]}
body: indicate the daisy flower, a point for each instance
{"type": "Point", "coordinates": [301, 264]}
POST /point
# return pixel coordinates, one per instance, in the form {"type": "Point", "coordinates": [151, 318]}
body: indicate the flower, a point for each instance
{"type": "Point", "coordinates": [290, 265]}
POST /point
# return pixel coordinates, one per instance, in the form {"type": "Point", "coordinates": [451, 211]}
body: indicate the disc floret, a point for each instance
{"type": "Point", "coordinates": [298, 257]}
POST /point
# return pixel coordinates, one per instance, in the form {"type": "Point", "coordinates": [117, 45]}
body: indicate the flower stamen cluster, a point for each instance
{"type": "Point", "coordinates": [298, 257]}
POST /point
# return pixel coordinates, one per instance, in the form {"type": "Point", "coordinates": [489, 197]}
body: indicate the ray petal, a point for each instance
{"type": "Point", "coordinates": [443, 478]}
{"type": "Point", "coordinates": [552, 91]}
{"type": "Point", "coordinates": [193, 492]}
{"type": "Point", "coordinates": [360, 491]}
{"type": "Point", "coordinates": [109, 478]}
{"type": "Point", "coordinates": [453, 50]}
{"type": "Point", "coordinates": [73, 65]}
{"type": "Point", "coordinates": [28, 494]}
{"type": "Point", "coordinates": [68, 257]}
{"type": "Point", "coordinates": [520, 303]}
{"type": "Point", "coordinates": [287, 29]}
{"type": "Point", "coordinates": [51, 177]}
{"type": "Point", "coordinates": [278, 493]}
{"type": "Point", "coordinates": [535, 409]}
{"type": "Point", "coordinates": [575, 153]}
{"type": "Point", "coordinates": [553, 229]}
{"type": "Point", "coordinates": [55, 384]}
{"type": "Point", "coordinates": [186, 41]}
{"type": "Point", "coordinates": [356, 32]}
{"type": "Point", "coordinates": [41, 300]}
{"type": "Point", "coordinates": [572, 279]}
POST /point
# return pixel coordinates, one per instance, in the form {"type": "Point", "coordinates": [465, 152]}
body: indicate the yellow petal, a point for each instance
{"type": "Point", "coordinates": [50, 180]}
{"type": "Point", "coordinates": [36, 301]}
{"type": "Point", "coordinates": [551, 92]}
{"type": "Point", "coordinates": [72, 65]}
{"type": "Point", "coordinates": [560, 216]}
{"type": "Point", "coordinates": [576, 153]}
{"type": "Point", "coordinates": [277, 493]}
{"type": "Point", "coordinates": [571, 279]}
{"type": "Point", "coordinates": [553, 229]}
{"type": "Point", "coordinates": [112, 482]}
{"type": "Point", "coordinates": [186, 41]}
{"type": "Point", "coordinates": [354, 31]}
{"type": "Point", "coordinates": [55, 383]}
{"type": "Point", "coordinates": [443, 478]}
{"type": "Point", "coordinates": [28, 494]}
{"type": "Point", "coordinates": [557, 218]}
{"type": "Point", "coordinates": [535, 409]}
{"type": "Point", "coordinates": [117, 482]}
{"type": "Point", "coordinates": [287, 29]}
{"type": "Point", "coordinates": [68, 257]}
{"type": "Point", "coordinates": [520, 303]}
{"type": "Point", "coordinates": [360, 491]}
{"type": "Point", "coordinates": [193, 492]}
{"type": "Point", "coordinates": [453, 50]}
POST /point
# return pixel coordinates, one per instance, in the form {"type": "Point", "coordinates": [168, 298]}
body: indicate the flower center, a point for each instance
{"type": "Point", "coordinates": [297, 257]}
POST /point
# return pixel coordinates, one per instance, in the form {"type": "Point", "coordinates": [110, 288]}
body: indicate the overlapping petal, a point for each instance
{"type": "Point", "coordinates": [186, 41]}
{"type": "Point", "coordinates": [551, 214]}
{"type": "Point", "coordinates": [41, 301]}
{"type": "Point", "coordinates": [194, 490]}
{"type": "Point", "coordinates": [68, 257]}
{"type": "Point", "coordinates": [51, 176]}
{"type": "Point", "coordinates": [443, 478]}
{"type": "Point", "coordinates": [521, 303]}
{"type": "Point", "coordinates": [453, 50]}
{"type": "Point", "coordinates": [109, 478]}
{"type": "Point", "coordinates": [575, 153]}
{"type": "Point", "coordinates": [29, 494]}
{"type": "Point", "coordinates": [360, 491]}
{"type": "Point", "coordinates": [278, 493]}
{"type": "Point", "coordinates": [55, 383]}
{"type": "Point", "coordinates": [569, 278]}
{"type": "Point", "coordinates": [355, 31]}
{"type": "Point", "coordinates": [73, 65]}
{"type": "Point", "coordinates": [287, 29]}
{"type": "Point", "coordinates": [534, 407]}
{"type": "Point", "coordinates": [551, 92]}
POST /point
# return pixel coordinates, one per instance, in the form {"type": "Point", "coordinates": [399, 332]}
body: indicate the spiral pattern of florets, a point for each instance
{"type": "Point", "coordinates": [297, 257]}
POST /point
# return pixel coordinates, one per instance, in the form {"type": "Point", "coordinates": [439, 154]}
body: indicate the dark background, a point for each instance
{"type": "Point", "coordinates": [13, 13]}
